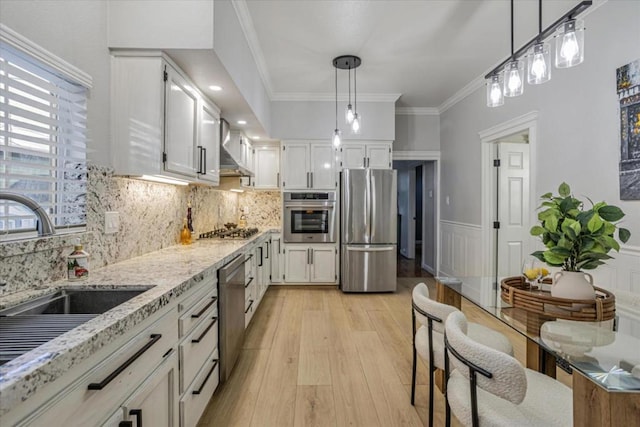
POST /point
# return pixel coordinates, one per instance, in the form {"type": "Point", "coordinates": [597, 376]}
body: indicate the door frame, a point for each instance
{"type": "Point", "coordinates": [435, 157]}
{"type": "Point", "coordinates": [526, 122]}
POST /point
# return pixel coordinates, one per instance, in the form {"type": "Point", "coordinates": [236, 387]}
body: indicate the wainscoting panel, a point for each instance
{"type": "Point", "coordinates": [461, 249]}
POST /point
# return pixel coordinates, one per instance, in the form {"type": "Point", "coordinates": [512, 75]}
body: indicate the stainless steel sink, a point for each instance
{"type": "Point", "coordinates": [35, 322]}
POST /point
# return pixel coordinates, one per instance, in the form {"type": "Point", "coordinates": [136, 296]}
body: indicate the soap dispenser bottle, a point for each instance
{"type": "Point", "coordinates": [78, 263]}
{"type": "Point", "coordinates": [185, 234]}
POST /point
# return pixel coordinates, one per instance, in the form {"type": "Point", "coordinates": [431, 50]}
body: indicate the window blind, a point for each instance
{"type": "Point", "coordinates": [42, 142]}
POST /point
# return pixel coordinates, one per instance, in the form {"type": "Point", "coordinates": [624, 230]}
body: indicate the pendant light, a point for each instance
{"type": "Point", "coordinates": [348, 113]}
{"type": "Point", "coordinates": [539, 61]}
{"type": "Point", "coordinates": [513, 71]}
{"type": "Point", "coordinates": [570, 43]}
{"type": "Point", "coordinates": [336, 133]}
{"type": "Point", "coordinates": [495, 97]}
{"type": "Point", "coordinates": [356, 125]}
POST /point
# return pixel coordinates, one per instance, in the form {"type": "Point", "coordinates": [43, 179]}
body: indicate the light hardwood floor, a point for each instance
{"type": "Point", "coordinates": [319, 357]}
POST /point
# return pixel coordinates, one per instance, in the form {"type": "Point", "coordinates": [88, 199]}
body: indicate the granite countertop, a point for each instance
{"type": "Point", "coordinates": [168, 272]}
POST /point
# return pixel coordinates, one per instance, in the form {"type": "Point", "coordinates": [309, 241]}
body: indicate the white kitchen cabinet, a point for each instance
{"type": "Point", "coordinates": [155, 402]}
{"type": "Point", "coordinates": [356, 155]}
{"type": "Point", "coordinates": [276, 258]}
{"type": "Point", "coordinates": [208, 154]}
{"type": "Point", "coordinates": [266, 163]}
{"type": "Point", "coordinates": [157, 120]}
{"type": "Point", "coordinates": [310, 263]}
{"type": "Point", "coordinates": [308, 166]}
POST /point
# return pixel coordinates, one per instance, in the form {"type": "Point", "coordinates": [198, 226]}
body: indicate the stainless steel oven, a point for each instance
{"type": "Point", "coordinates": [310, 217]}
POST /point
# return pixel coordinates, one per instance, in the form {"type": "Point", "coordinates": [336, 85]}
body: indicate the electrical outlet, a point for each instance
{"type": "Point", "coordinates": [111, 222]}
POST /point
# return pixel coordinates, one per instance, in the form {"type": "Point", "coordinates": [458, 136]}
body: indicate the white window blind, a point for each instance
{"type": "Point", "coordinates": [42, 142]}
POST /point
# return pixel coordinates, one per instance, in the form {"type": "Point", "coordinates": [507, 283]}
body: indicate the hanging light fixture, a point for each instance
{"type": "Point", "coordinates": [336, 132]}
{"type": "Point", "coordinates": [539, 62]}
{"type": "Point", "coordinates": [352, 117]}
{"type": "Point", "coordinates": [569, 35]}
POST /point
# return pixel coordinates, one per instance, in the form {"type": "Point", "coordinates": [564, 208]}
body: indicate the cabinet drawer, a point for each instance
{"type": "Point", "coordinates": [196, 347]}
{"type": "Point", "coordinates": [195, 400]}
{"type": "Point", "coordinates": [197, 308]}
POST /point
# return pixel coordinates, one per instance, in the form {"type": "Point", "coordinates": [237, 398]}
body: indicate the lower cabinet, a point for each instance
{"type": "Point", "coordinates": [276, 259]}
{"type": "Point", "coordinates": [310, 263]}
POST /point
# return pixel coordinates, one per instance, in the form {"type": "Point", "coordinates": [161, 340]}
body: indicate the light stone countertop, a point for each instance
{"type": "Point", "coordinates": [169, 272]}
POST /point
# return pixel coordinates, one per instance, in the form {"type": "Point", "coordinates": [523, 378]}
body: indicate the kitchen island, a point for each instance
{"type": "Point", "coordinates": [169, 273]}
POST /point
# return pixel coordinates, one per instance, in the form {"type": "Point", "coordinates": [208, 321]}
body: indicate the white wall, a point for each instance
{"type": "Point", "coordinates": [316, 120]}
{"type": "Point", "coordinates": [417, 133]}
{"type": "Point", "coordinates": [429, 209]}
{"type": "Point", "coordinates": [578, 137]}
{"type": "Point", "coordinates": [76, 32]}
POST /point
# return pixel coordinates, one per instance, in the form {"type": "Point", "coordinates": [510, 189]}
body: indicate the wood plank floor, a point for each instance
{"type": "Point", "coordinates": [314, 356]}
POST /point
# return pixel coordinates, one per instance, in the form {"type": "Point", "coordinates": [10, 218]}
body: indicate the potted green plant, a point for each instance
{"type": "Point", "coordinates": [576, 239]}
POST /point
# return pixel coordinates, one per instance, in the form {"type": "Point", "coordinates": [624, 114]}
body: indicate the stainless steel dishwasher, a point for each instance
{"type": "Point", "coordinates": [231, 313]}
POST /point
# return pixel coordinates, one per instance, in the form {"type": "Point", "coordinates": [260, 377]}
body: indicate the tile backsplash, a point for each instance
{"type": "Point", "coordinates": [151, 216]}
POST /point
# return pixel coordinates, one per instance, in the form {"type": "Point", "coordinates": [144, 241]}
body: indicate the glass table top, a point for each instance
{"type": "Point", "coordinates": [609, 357]}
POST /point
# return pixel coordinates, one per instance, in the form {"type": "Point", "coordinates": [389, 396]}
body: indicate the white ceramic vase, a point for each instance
{"type": "Point", "coordinates": [573, 285]}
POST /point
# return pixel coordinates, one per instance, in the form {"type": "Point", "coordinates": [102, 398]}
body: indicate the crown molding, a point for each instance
{"type": "Point", "coordinates": [23, 44]}
{"type": "Point", "coordinates": [416, 155]}
{"type": "Point", "coordinates": [309, 96]}
{"type": "Point", "coordinates": [246, 23]}
{"type": "Point", "coordinates": [417, 111]}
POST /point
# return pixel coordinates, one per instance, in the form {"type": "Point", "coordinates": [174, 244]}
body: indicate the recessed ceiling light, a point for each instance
{"type": "Point", "coordinates": [255, 137]}
{"type": "Point", "coordinates": [215, 88]}
{"type": "Point", "coordinates": [242, 122]}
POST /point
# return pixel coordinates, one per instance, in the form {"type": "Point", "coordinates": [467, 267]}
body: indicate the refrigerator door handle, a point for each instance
{"type": "Point", "coordinates": [370, 249]}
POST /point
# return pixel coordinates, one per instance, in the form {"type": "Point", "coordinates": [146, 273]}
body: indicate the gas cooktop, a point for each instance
{"type": "Point", "coordinates": [229, 233]}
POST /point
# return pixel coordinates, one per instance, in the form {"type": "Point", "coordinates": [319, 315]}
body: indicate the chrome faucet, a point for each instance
{"type": "Point", "coordinates": [44, 226]}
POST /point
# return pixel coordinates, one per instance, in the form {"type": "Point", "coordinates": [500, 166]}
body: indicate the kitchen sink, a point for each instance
{"type": "Point", "coordinates": [35, 322]}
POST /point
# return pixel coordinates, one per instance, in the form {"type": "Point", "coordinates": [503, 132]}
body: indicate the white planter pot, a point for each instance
{"type": "Point", "coordinates": [573, 285]}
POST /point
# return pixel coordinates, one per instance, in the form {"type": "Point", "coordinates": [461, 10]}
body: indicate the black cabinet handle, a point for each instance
{"type": "Point", "coordinates": [204, 158]}
{"type": "Point", "coordinates": [125, 424]}
{"type": "Point", "coordinates": [198, 391]}
{"type": "Point", "coordinates": [249, 308]}
{"type": "Point", "coordinates": [199, 159]}
{"type": "Point", "coordinates": [267, 256]}
{"type": "Point", "coordinates": [138, 414]}
{"type": "Point", "coordinates": [201, 312]}
{"type": "Point", "coordinates": [154, 338]}
{"type": "Point", "coordinates": [247, 258]}
{"type": "Point", "coordinates": [249, 282]}
{"type": "Point", "coordinates": [260, 265]}
{"type": "Point", "coordinates": [197, 340]}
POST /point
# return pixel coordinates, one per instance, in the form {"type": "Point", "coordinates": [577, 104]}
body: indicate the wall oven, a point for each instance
{"type": "Point", "coordinates": [310, 217]}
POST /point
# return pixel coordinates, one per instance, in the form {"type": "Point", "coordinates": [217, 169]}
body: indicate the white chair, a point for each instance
{"type": "Point", "coordinates": [428, 340]}
{"type": "Point", "coordinates": [490, 388]}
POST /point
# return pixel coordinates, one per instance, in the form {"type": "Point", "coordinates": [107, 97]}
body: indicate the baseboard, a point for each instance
{"type": "Point", "coordinates": [428, 268]}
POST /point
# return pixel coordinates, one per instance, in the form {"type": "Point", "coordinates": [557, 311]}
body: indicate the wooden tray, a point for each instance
{"type": "Point", "coordinates": [514, 290]}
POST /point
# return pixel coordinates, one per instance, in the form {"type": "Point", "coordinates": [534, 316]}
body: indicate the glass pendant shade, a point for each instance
{"type": "Point", "coordinates": [539, 64]}
{"type": "Point", "coordinates": [570, 44]}
{"type": "Point", "coordinates": [336, 138]}
{"type": "Point", "coordinates": [495, 97]}
{"type": "Point", "coordinates": [356, 124]}
{"type": "Point", "coordinates": [348, 114]}
{"type": "Point", "coordinates": [513, 78]}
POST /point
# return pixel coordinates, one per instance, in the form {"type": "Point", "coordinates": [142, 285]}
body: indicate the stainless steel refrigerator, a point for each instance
{"type": "Point", "coordinates": [368, 230]}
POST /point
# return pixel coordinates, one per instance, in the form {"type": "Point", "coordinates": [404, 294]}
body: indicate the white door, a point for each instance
{"type": "Point", "coordinates": [379, 156]}
{"type": "Point", "coordinates": [353, 156]}
{"type": "Point", "coordinates": [323, 264]}
{"type": "Point", "coordinates": [267, 168]}
{"type": "Point", "coordinates": [322, 167]}
{"type": "Point", "coordinates": [295, 162]}
{"type": "Point", "coordinates": [513, 207]}
{"type": "Point", "coordinates": [209, 146]}
{"type": "Point", "coordinates": [296, 264]}
{"type": "Point", "coordinates": [181, 109]}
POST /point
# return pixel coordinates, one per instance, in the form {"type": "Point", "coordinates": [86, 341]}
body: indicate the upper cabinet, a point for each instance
{"type": "Point", "coordinates": [162, 127]}
{"type": "Point", "coordinates": [308, 166]}
{"type": "Point", "coordinates": [266, 166]}
{"type": "Point", "coordinates": [360, 155]}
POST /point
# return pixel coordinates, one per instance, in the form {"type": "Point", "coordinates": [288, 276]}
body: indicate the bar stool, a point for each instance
{"type": "Point", "coordinates": [428, 340]}
{"type": "Point", "coordinates": [491, 388]}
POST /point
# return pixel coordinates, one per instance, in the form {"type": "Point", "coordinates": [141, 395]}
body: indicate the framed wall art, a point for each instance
{"type": "Point", "coordinates": [628, 88]}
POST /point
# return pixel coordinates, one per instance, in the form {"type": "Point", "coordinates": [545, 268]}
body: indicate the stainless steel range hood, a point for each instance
{"type": "Point", "coordinates": [230, 163]}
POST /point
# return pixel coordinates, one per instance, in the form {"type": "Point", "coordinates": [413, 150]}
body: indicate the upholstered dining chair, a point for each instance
{"type": "Point", "coordinates": [428, 340]}
{"type": "Point", "coordinates": [491, 388]}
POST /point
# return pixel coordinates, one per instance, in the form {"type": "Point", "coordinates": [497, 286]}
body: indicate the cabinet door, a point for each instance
{"type": "Point", "coordinates": [181, 109]}
{"type": "Point", "coordinates": [154, 403]}
{"type": "Point", "coordinates": [353, 156]}
{"type": "Point", "coordinates": [323, 264]}
{"type": "Point", "coordinates": [266, 270]}
{"type": "Point", "coordinates": [247, 153]}
{"type": "Point", "coordinates": [296, 264]}
{"type": "Point", "coordinates": [379, 156]}
{"type": "Point", "coordinates": [266, 168]}
{"type": "Point", "coordinates": [276, 248]}
{"type": "Point", "coordinates": [323, 171]}
{"type": "Point", "coordinates": [295, 161]}
{"type": "Point", "coordinates": [209, 146]}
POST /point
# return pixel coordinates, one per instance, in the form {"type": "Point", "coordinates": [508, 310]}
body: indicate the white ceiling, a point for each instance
{"type": "Point", "coordinates": [426, 50]}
